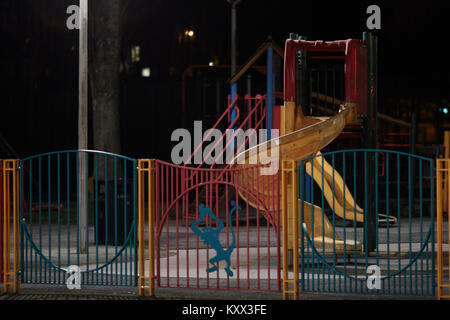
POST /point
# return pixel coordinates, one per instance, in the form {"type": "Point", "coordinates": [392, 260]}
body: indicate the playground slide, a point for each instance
{"type": "Point", "coordinates": [323, 235]}
{"type": "Point", "coordinates": [336, 199]}
{"type": "Point", "coordinates": [308, 138]}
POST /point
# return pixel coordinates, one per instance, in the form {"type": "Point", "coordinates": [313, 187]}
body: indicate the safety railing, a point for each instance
{"type": "Point", "coordinates": [249, 113]}
{"type": "Point", "coordinates": [334, 216]}
{"type": "Point", "coordinates": [208, 237]}
{"type": "Point", "coordinates": [80, 219]}
{"type": "Point", "coordinates": [354, 223]}
{"type": "Point", "coordinates": [231, 116]}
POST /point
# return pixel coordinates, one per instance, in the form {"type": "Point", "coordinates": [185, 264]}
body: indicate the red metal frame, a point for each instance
{"type": "Point", "coordinates": [179, 192]}
{"type": "Point", "coordinates": [355, 67]}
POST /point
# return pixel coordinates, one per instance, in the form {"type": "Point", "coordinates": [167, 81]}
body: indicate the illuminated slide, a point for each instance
{"type": "Point", "coordinates": [308, 138]}
{"type": "Point", "coordinates": [336, 199]}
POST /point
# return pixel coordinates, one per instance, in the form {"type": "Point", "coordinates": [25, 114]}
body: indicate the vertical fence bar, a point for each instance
{"type": "Point", "coordinates": [49, 217]}
{"type": "Point", "coordinates": [124, 255]}
{"type": "Point", "coordinates": [334, 221]}
{"type": "Point", "coordinates": [115, 219]}
{"type": "Point", "coordinates": [284, 224]}
{"type": "Point", "coordinates": [30, 224]}
{"type": "Point", "coordinates": [22, 205]}
{"type": "Point", "coordinates": [67, 205]}
{"type": "Point", "coordinates": [295, 226]}
{"type": "Point", "coordinates": [59, 213]}
{"type": "Point", "coordinates": [105, 182]}
{"type": "Point", "coordinates": [302, 219]}
{"type": "Point", "coordinates": [388, 223]}
{"type": "Point", "coordinates": [40, 217]}
{"type": "Point", "coordinates": [95, 192]}
{"type": "Point", "coordinates": [433, 267]}
{"type": "Point", "coordinates": [410, 202]}
{"type": "Point", "coordinates": [135, 233]}
{"type": "Point", "coordinates": [441, 175]}
{"type": "Point", "coordinates": [16, 224]}
{"type": "Point", "coordinates": [21, 200]}
{"type": "Point", "coordinates": [432, 239]}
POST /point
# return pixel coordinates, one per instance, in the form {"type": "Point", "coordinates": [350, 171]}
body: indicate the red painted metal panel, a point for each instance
{"type": "Point", "coordinates": [187, 260]}
{"type": "Point", "coordinates": [276, 117]}
{"type": "Point", "coordinates": [356, 76]}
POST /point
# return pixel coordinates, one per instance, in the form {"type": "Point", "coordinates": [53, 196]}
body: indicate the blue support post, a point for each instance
{"type": "Point", "coordinates": [233, 112]}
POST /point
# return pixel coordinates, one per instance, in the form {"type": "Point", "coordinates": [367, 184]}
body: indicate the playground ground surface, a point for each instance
{"type": "Point", "coordinates": [46, 292]}
{"type": "Point", "coordinates": [61, 292]}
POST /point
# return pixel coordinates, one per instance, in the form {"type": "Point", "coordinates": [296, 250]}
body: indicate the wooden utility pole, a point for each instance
{"type": "Point", "coordinates": [83, 123]}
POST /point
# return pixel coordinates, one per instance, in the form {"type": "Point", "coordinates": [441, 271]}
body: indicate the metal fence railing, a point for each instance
{"type": "Point", "coordinates": [353, 220]}
{"type": "Point", "coordinates": [334, 223]}
{"type": "Point", "coordinates": [216, 228]}
{"type": "Point", "coordinates": [72, 216]}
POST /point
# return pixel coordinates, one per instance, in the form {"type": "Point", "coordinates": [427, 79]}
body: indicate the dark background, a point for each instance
{"type": "Point", "coordinates": [39, 61]}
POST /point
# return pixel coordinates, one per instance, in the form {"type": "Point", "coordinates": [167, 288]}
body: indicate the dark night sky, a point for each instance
{"type": "Point", "coordinates": [38, 58]}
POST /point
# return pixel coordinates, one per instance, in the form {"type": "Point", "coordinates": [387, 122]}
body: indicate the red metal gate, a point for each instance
{"type": "Point", "coordinates": [248, 231]}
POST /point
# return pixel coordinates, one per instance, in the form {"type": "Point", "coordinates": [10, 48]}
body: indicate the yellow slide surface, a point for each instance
{"type": "Point", "coordinates": [336, 201]}
{"type": "Point", "coordinates": [321, 231]}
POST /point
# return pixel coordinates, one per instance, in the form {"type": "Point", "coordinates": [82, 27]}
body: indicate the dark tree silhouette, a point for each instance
{"type": "Point", "coordinates": [105, 47]}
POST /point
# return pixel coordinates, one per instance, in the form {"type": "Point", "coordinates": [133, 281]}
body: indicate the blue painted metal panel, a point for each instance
{"type": "Point", "coordinates": [404, 252]}
{"type": "Point", "coordinates": [50, 218]}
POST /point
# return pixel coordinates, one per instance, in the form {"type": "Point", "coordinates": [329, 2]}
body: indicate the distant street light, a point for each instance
{"type": "Point", "coordinates": [146, 72]}
{"type": "Point", "coordinates": [189, 33]}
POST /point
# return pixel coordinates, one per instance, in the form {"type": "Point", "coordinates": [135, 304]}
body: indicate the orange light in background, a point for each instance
{"type": "Point", "coordinates": [189, 33]}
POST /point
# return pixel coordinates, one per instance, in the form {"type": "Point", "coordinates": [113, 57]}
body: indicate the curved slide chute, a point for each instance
{"type": "Point", "coordinates": [332, 181]}
{"type": "Point", "coordinates": [307, 140]}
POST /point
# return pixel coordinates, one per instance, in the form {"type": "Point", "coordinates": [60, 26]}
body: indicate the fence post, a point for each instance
{"type": "Point", "coordinates": [442, 177]}
{"type": "Point", "coordinates": [446, 156]}
{"type": "Point", "coordinates": [10, 207]}
{"type": "Point", "coordinates": [146, 196]}
{"type": "Point", "coordinates": [290, 227]}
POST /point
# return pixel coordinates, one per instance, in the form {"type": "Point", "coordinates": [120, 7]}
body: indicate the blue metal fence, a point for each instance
{"type": "Point", "coordinates": [346, 249]}
{"type": "Point", "coordinates": [75, 217]}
